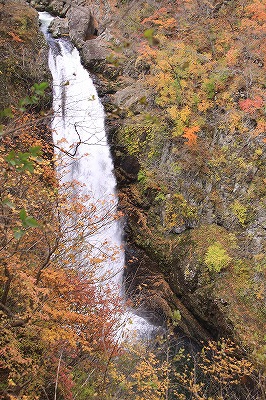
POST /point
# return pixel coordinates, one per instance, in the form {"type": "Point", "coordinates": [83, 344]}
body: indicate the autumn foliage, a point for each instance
{"type": "Point", "coordinates": [202, 66]}
{"type": "Point", "coordinates": [250, 106]}
{"type": "Point", "coordinates": [190, 135]}
{"type": "Point", "coordinates": [53, 311]}
{"type": "Point", "coordinates": [200, 138]}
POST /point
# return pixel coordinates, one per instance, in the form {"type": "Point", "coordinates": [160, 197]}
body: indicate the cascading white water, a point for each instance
{"type": "Point", "coordinates": [78, 125]}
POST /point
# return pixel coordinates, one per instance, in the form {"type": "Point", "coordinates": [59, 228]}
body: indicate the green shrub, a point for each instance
{"type": "Point", "coordinates": [216, 257]}
{"type": "Point", "coordinates": [240, 212]}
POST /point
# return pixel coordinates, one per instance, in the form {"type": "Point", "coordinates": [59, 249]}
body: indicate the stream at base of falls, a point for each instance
{"type": "Point", "coordinates": [79, 132]}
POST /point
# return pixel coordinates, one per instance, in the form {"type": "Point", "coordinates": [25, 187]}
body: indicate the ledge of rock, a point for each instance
{"type": "Point", "coordinates": [132, 97]}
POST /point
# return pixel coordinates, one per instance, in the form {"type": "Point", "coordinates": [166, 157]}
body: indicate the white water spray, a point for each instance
{"type": "Point", "coordinates": [78, 125]}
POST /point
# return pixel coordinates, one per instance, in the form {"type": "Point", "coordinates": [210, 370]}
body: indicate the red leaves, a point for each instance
{"type": "Point", "coordinates": [250, 106]}
{"type": "Point", "coordinates": [162, 19]}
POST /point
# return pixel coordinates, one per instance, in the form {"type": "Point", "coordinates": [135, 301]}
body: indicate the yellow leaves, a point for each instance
{"type": "Point", "coordinates": [214, 369]}
{"type": "Point", "coordinates": [163, 65]}
{"type": "Point", "coordinates": [204, 105]}
{"type": "Point", "coordinates": [178, 129]}
{"type": "Point", "coordinates": [11, 383]}
{"type": "Point", "coordinates": [183, 84]}
{"type": "Point", "coordinates": [180, 118]}
{"type": "Point", "coordinates": [235, 121]}
{"type": "Point", "coordinates": [260, 295]}
{"type": "Point", "coordinates": [183, 71]}
{"type": "Point", "coordinates": [11, 397]}
{"type": "Point", "coordinates": [223, 365]}
{"type": "Point", "coordinates": [53, 335]}
{"type": "Point", "coordinates": [167, 95]}
{"type": "Point", "coordinates": [142, 375]}
{"type": "Point", "coordinates": [151, 378]}
{"type": "Point", "coordinates": [173, 111]}
{"type": "Point", "coordinates": [162, 80]}
{"type": "Point", "coordinates": [185, 114]}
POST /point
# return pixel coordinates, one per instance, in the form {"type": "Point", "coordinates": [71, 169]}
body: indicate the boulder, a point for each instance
{"type": "Point", "coordinates": [59, 27]}
{"type": "Point", "coordinates": [93, 53]}
{"type": "Point", "coordinates": [82, 24]}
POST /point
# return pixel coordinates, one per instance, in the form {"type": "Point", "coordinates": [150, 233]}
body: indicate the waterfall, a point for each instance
{"type": "Point", "coordinates": [78, 128]}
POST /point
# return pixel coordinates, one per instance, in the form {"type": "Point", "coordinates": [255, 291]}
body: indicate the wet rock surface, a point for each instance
{"type": "Point", "coordinates": [83, 22]}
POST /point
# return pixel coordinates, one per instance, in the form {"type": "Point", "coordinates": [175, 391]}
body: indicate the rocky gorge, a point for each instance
{"type": "Point", "coordinates": [209, 208]}
{"type": "Point", "coordinates": [144, 280]}
{"type": "Point", "coordinates": [193, 200]}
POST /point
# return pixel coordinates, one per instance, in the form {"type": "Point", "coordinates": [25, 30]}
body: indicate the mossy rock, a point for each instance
{"type": "Point", "coordinates": [24, 53]}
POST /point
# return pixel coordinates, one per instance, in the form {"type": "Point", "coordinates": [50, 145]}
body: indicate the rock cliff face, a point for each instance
{"type": "Point", "coordinates": [195, 217]}
{"type": "Point", "coordinates": [23, 53]}
{"type": "Point", "coordinates": [85, 22]}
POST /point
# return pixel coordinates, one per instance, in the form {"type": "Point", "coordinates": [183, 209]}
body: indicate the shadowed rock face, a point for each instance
{"type": "Point", "coordinates": [154, 299]}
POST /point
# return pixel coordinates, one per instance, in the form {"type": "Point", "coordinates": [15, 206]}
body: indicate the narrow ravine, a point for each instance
{"type": "Point", "coordinates": [82, 148]}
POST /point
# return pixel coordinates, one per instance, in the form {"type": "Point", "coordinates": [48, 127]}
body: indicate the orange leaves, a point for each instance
{"type": "Point", "coordinates": [190, 70]}
{"type": "Point", "coordinates": [190, 135]}
{"type": "Point", "coordinates": [250, 106]}
{"type": "Point", "coordinates": [48, 279]}
{"type": "Point", "coordinates": [257, 8]}
{"type": "Point", "coordinates": [155, 15]}
{"type": "Point", "coordinates": [161, 19]}
{"type": "Point", "coordinates": [15, 37]}
{"type": "Point", "coordinates": [168, 23]}
{"type": "Point", "coordinates": [260, 129]}
{"type": "Point", "coordinates": [232, 56]}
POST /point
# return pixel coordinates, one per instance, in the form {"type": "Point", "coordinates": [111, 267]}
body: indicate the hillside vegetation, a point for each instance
{"type": "Point", "coordinates": [183, 84]}
{"type": "Point", "coordinates": [197, 128]}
